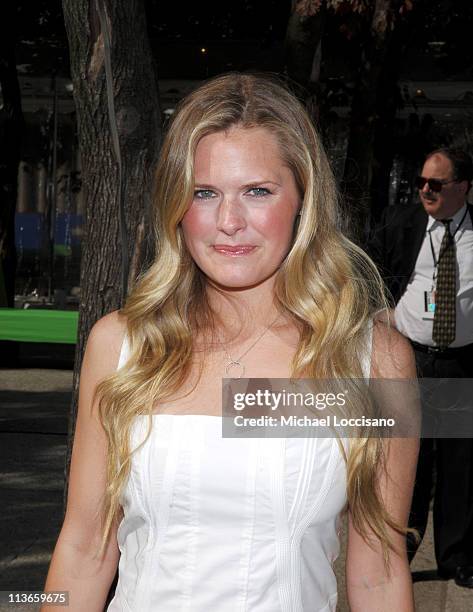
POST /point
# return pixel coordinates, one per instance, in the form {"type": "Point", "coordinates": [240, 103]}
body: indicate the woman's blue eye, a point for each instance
{"type": "Point", "coordinates": [203, 194]}
{"type": "Point", "coordinates": [259, 191]}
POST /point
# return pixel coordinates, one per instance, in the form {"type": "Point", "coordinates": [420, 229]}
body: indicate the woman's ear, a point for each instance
{"type": "Point", "coordinates": [296, 224]}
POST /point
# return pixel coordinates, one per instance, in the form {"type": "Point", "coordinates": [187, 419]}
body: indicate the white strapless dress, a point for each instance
{"type": "Point", "coordinates": [216, 524]}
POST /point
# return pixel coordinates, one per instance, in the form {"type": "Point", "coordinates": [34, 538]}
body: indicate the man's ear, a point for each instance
{"type": "Point", "coordinates": [464, 186]}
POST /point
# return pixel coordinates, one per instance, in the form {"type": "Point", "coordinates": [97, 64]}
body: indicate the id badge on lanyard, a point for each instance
{"type": "Point", "coordinates": [429, 302]}
{"type": "Point", "coordinates": [429, 297]}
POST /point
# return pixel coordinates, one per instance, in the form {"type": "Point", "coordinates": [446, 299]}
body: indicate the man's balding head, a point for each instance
{"type": "Point", "coordinates": [454, 169]}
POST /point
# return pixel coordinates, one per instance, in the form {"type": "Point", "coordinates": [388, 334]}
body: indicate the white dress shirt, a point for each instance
{"type": "Point", "coordinates": [411, 318]}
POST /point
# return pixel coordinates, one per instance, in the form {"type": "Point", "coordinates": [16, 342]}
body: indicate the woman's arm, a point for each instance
{"type": "Point", "coordinates": [73, 566]}
{"type": "Point", "coordinates": [370, 587]}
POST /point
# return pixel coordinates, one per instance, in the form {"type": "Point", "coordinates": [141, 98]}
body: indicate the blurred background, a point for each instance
{"type": "Point", "coordinates": [413, 80]}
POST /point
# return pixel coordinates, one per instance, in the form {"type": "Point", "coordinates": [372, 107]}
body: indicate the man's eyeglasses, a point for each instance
{"type": "Point", "coordinates": [434, 184]}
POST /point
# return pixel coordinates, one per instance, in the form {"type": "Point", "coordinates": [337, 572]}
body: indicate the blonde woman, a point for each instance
{"type": "Point", "coordinates": [252, 277]}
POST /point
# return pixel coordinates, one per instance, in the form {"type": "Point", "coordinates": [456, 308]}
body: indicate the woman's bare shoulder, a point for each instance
{"type": "Point", "coordinates": [111, 326]}
{"type": "Point", "coordinates": [106, 338]}
{"type": "Point", "coordinates": [392, 354]}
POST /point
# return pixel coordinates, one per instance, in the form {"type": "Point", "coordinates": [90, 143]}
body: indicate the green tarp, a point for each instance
{"type": "Point", "coordinates": [37, 325]}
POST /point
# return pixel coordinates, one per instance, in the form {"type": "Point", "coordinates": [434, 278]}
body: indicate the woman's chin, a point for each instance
{"type": "Point", "coordinates": [237, 283]}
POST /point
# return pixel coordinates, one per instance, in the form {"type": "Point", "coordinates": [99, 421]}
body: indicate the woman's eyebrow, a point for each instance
{"type": "Point", "coordinates": [261, 182]}
{"type": "Point", "coordinates": [255, 183]}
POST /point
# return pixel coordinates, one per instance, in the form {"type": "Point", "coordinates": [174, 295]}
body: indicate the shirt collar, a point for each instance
{"type": "Point", "coordinates": [456, 220]}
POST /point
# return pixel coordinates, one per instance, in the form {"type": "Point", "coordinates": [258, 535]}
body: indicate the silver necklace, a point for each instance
{"type": "Point", "coordinates": [236, 364]}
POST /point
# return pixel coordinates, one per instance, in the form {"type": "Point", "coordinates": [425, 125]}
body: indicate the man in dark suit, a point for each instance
{"type": "Point", "coordinates": [425, 255]}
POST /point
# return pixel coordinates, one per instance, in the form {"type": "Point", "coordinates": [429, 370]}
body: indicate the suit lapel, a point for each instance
{"type": "Point", "coordinates": [470, 210]}
{"type": "Point", "coordinates": [414, 233]}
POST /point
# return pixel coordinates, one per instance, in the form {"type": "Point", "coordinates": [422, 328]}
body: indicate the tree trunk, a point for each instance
{"type": "Point", "coordinates": [373, 96]}
{"type": "Point", "coordinates": [116, 98]}
{"type": "Point", "coordinates": [386, 142]}
{"type": "Point", "coordinates": [303, 48]}
{"type": "Point", "coordinates": [303, 35]}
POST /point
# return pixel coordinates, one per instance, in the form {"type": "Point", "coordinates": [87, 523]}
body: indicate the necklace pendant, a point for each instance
{"type": "Point", "coordinates": [235, 369]}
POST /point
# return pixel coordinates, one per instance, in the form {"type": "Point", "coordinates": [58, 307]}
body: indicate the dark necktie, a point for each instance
{"type": "Point", "coordinates": [443, 333]}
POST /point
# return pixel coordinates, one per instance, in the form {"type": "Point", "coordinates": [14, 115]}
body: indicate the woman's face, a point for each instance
{"type": "Point", "coordinates": [239, 226]}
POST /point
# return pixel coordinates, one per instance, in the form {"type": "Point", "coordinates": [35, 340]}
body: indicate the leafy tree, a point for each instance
{"type": "Point", "coordinates": [378, 27]}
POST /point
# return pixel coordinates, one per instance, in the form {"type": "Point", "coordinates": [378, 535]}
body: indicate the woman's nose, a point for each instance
{"type": "Point", "coordinates": [230, 217]}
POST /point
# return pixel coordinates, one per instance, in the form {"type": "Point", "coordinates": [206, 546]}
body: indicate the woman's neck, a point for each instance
{"type": "Point", "coordinates": [244, 311]}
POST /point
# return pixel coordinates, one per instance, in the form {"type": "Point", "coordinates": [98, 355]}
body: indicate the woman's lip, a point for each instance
{"type": "Point", "coordinates": [242, 249]}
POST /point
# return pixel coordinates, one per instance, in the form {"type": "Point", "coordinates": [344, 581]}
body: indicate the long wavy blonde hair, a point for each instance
{"type": "Point", "coordinates": [326, 284]}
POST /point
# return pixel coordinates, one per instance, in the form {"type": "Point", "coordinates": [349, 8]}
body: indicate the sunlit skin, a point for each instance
{"type": "Point", "coordinates": [239, 226]}
{"type": "Point", "coordinates": [446, 203]}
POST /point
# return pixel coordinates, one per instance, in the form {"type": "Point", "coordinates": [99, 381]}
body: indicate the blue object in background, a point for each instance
{"type": "Point", "coordinates": [29, 228]}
